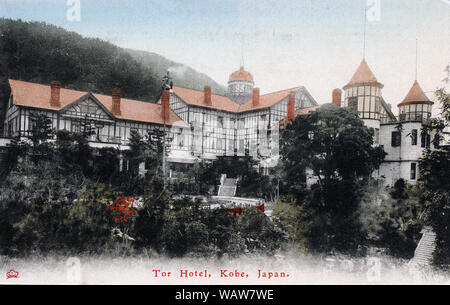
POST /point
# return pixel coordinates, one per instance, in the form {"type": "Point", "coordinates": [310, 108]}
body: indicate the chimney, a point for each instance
{"type": "Point", "coordinates": [165, 105]}
{"type": "Point", "coordinates": [291, 107]}
{"type": "Point", "coordinates": [208, 99]}
{"type": "Point", "coordinates": [55, 94]}
{"type": "Point", "coordinates": [255, 97]}
{"type": "Point", "coordinates": [116, 96]}
{"type": "Point", "coordinates": [337, 97]}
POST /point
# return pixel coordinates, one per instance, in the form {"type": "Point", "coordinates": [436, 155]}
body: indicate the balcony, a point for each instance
{"type": "Point", "coordinates": [415, 117]}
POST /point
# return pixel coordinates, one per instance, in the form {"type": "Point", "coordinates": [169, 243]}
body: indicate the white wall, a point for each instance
{"type": "Point", "coordinates": [398, 161]}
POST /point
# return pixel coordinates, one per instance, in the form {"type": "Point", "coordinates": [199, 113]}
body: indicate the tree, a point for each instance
{"type": "Point", "coordinates": [434, 168]}
{"type": "Point", "coordinates": [106, 165]}
{"type": "Point", "coordinates": [259, 232]}
{"type": "Point", "coordinates": [40, 132]}
{"type": "Point", "coordinates": [333, 143]}
{"type": "Point", "coordinates": [397, 221]}
{"type": "Point", "coordinates": [137, 152]}
{"type": "Point", "coordinates": [294, 220]}
{"type": "Point", "coordinates": [434, 181]}
{"type": "Point", "coordinates": [72, 151]}
{"type": "Point", "coordinates": [157, 144]}
{"type": "Point", "coordinates": [184, 230]}
{"type": "Point", "coordinates": [150, 218]}
{"type": "Point", "coordinates": [89, 220]}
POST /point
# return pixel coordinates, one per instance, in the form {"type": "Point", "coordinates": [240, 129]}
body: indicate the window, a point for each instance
{"type": "Point", "coordinates": [353, 103]}
{"type": "Point", "coordinates": [75, 127]}
{"type": "Point", "coordinates": [219, 144]}
{"type": "Point", "coordinates": [241, 147]}
{"type": "Point", "coordinates": [232, 124]}
{"type": "Point", "coordinates": [413, 171]}
{"type": "Point", "coordinates": [180, 138]}
{"type": "Point", "coordinates": [396, 139]}
{"type": "Point", "coordinates": [197, 117]}
{"type": "Point", "coordinates": [220, 122]}
{"type": "Point", "coordinates": [377, 136]}
{"type": "Point", "coordinates": [10, 129]}
{"type": "Point", "coordinates": [230, 145]}
{"type": "Point", "coordinates": [241, 124]}
{"type": "Point", "coordinates": [425, 140]}
{"type": "Point", "coordinates": [414, 137]}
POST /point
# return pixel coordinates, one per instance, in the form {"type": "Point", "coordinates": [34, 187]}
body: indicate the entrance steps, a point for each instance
{"type": "Point", "coordinates": [227, 187]}
{"type": "Point", "coordinates": [424, 252]}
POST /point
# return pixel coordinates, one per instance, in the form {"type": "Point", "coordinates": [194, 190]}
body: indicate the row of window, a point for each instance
{"type": "Point", "coordinates": [258, 121]}
{"type": "Point", "coordinates": [396, 139]}
{"type": "Point", "coordinates": [240, 87]}
{"type": "Point", "coordinates": [415, 108]}
{"type": "Point", "coordinates": [368, 107]}
{"type": "Point", "coordinates": [415, 116]}
{"type": "Point", "coordinates": [363, 91]}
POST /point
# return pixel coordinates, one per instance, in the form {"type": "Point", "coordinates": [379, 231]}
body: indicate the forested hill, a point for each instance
{"type": "Point", "coordinates": [182, 75]}
{"type": "Point", "coordinates": [40, 52]}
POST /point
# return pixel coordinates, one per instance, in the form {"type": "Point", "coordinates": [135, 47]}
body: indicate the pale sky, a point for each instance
{"type": "Point", "coordinates": [285, 43]}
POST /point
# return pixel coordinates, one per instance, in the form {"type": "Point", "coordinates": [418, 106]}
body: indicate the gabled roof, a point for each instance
{"type": "Point", "coordinates": [38, 96]}
{"type": "Point", "coordinates": [388, 109]}
{"type": "Point", "coordinates": [197, 98]}
{"type": "Point", "coordinates": [268, 100]}
{"type": "Point", "coordinates": [141, 111]}
{"type": "Point", "coordinates": [223, 103]}
{"type": "Point", "coordinates": [416, 96]}
{"type": "Point", "coordinates": [363, 76]}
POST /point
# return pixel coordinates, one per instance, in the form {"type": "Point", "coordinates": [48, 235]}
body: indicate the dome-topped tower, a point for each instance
{"type": "Point", "coordinates": [416, 106]}
{"type": "Point", "coordinates": [240, 86]}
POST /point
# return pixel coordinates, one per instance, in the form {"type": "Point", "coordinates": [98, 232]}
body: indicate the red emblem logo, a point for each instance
{"type": "Point", "coordinates": [12, 274]}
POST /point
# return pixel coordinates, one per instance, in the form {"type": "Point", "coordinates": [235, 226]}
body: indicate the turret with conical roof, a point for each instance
{"type": "Point", "coordinates": [240, 86]}
{"type": "Point", "coordinates": [363, 76]}
{"type": "Point", "coordinates": [363, 94]}
{"type": "Point", "coordinates": [416, 106]}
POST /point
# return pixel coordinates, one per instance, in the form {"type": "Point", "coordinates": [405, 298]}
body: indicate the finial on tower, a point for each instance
{"type": "Point", "coordinates": [416, 57]}
{"type": "Point", "coordinates": [242, 54]}
{"type": "Point", "coordinates": [365, 30]}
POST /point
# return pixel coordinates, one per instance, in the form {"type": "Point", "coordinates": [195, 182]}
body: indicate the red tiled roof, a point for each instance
{"type": "Point", "coordinates": [220, 102]}
{"type": "Point", "coordinates": [38, 96]}
{"type": "Point", "coordinates": [416, 96]}
{"type": "Point", "coordinates": [241, 74]}
{"type": "Point", "coordinates": [140, 111]}
{"type": "Point", "coordinates": [267, 100]}
{"type": "Point", "coordinates": [363, 76]}
{"type": "Point", "coordinates": [196, 98]}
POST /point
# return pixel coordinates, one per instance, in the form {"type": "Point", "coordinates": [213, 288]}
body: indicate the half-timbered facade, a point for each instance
{"type": "Point", "coordinates": [227, 125]}
{"type": "Point", "coordinates": [200, 125]}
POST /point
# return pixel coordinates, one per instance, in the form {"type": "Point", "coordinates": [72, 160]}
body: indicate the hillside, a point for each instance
{"type": "Point", "coordinates": [182, 75]}
{"type": "Point", "coordinates": [40, 52]}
